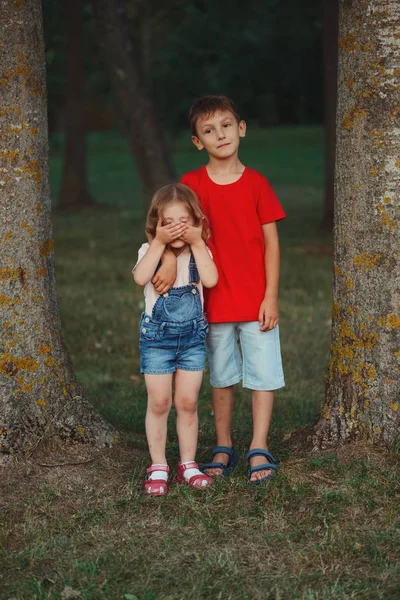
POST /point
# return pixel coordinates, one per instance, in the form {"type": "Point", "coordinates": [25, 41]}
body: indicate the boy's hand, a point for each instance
{"type": "Point", "coordinates": [192, 235]}
{"type": "Point", "coordinates": [168, 233]}
{"type": "Point", "coordinates": [165, 277]}
{"type": "Point", "coordinates": [268, 316]}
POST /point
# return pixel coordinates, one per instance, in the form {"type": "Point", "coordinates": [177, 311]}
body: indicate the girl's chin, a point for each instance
{"type": "Point", "coordinates": [177, 244]}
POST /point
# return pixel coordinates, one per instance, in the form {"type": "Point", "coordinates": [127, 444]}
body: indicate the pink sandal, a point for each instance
{"type": "Point", "coordinates": [197, 481]}
{"type": "Point", "coordinates": [156, 487]}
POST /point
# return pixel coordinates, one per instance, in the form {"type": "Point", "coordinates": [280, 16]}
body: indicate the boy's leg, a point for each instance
{"type": "Point", "coordinates": [159, 390]}
{"type": "Point", "coordinates": [262, 412]}
{"type": "Point", "coordinates": [225, 370]}
{"type": "Point", "coordinates": [262, 373]}
{"type": "Point", "coordinates": [222, 399]}
{"type": "Point", "coordinates": [187, 386]}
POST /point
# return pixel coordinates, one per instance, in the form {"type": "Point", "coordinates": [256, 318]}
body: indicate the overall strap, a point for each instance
{"type": "Point", "coordinates": [193, 272]}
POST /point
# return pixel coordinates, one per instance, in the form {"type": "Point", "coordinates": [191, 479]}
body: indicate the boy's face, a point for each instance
{"type": "Point", "coordinates": [219, 133]}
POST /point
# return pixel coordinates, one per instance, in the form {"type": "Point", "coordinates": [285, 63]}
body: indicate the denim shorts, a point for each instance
{"type": "Point", "coordinates": [240, 351]}
{"type": "Point", "coordinates": [165, 347]}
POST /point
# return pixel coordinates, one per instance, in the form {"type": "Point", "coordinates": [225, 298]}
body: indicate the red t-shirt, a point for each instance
{"type": "Point", "coordinates": [236, 212]}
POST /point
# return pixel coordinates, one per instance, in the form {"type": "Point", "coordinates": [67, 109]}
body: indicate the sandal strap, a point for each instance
{"type": "Point", "coordinates": [260, 452]}
{"type": "Point", "coordinates": [222, 450]}
{"type": "Point", "coordinates": [265, 467]}
{"type": "Point", "coordinates": [213, 465]}
{"type": "Point", "coordinates": [154, 468]}
{"type": "Point", "coordinates": [189, 465]}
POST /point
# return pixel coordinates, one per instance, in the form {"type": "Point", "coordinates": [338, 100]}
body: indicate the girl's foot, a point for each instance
{"type": "Point", "coordinates": [190, 474]}
{"type": "Point", "coordinates": [157, 480]}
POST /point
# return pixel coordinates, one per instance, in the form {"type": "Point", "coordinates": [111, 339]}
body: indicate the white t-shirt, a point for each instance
{"type": "Point", "coordinates": [182, 277]}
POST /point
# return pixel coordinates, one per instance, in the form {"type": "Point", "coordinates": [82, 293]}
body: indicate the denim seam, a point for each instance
{"type": "Point", "coordinates": [269, 388]}
{"type": "Point", "coordinates": [232, 381]}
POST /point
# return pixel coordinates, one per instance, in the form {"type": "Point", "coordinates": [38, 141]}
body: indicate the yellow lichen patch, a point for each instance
{"type": "Point", "coordinates": [335, 310]}
{"type": "Point", "coordinates": [71, 386]}
{"type": "Point", "coordinates": [42, 402]}
{"type": "Point", "coordinates": [37, 209]}
{"type": "Point", "coordinates": [328, 414]}
{"type": "Point", "coordinates": [349, 283]}
{"type": "Point", "coordinates": [33, 170]}
{"type": "Point", "coordinates": [397, 163]}
{"type": "Point", "coordinates": [7, 274]}
{"type": "Point", "coordinates": [42, 272]}
{"type": "Point", "coordinates": [80, 430]}
{"type": "Point", "coordinates": [341, 410]}
{"type": "Point", "coordinates": [33, 130]}
{"type": "Point", "coordinates": [391, 321]}
{"type": "Point", "coordinates": [376, 133]}
{"type": "Point", "coordinates": [352, 117]}
{"type": "Point", "coordinates": [378, 430]}
{"type": "Point", "coordinates": [367, 404]}
{"type": "Point", "coordinates": [336, 270]}
{"type": "Point", "coordinates": [349, 43]}
{"type": "Point", "coordinates": [10, 365]}
{"type": "Point", "coordinates": [24, 224]}
{"type": "Point", "coordinates": [20, 380]}
{"type": "Point", "coordinates": [366, 260]}
{"type": "Point", "coordinates": [65, 391]}
{"type": "Point", "coordinates": [27, 387]}
{"type": "Point", "coordinates": [394, 406]}
{"type": "Point", "coordinates": [49, 361]}
{"type": "Point", "coordinates": [349, 83]}
{"type": "Point", "coordinates": [43, 349]}
{"type": "Point", "coordinates": [47, 247]}
{"type": "Point", "coordinates": [397, 353]}
{"type": "Point", "coordinates": [4, 301]}
{"type": "Point", "coordinates": [349, 310]}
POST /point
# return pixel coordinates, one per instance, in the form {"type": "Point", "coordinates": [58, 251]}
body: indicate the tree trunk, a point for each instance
{"type": "Point", "coordinates": [39, 393]}
{"type": "Point", "coordinates": [146, 139]}
{"type": "Point", "coordinates": [330, 11]}
{"type": "Point", "coordinates": [74, 191]}
{"type": "Point", "coordinates": [363, 383]}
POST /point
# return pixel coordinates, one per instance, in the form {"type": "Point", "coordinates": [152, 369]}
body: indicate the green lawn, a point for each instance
{"type": "Point", "coordinates": [326, 526]}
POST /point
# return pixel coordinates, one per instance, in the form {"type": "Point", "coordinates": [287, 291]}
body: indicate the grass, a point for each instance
{"type": "Point", "coordinates": [326, 526]}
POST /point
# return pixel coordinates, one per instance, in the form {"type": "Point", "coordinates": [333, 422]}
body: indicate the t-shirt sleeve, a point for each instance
{"type": "Point", "coordinates": [142, 251]}
{"type": "Point", "coordinates": [269, 208]}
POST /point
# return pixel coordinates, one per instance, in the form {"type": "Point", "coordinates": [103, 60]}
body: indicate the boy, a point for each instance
{"type": "Point", "coordinates": [242, 210]}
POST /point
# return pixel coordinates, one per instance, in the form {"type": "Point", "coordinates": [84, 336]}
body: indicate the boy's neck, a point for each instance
{"type": "Point", "coordinates": [226, 166]}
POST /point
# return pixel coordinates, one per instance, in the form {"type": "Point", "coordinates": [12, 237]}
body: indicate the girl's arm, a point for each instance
{"type": "Point", "coordinates": [205, 265]}
{"type": "Point", "coordinates": [269, 315]}
{"type": "Point", "coordinates": [145, 268]}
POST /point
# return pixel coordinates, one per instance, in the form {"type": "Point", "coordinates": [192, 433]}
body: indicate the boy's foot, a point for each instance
{"type": "Point", "coordinates": [224, 460]}
{"type": "Point", "coordinates": [259, 459]}
{"type": "Point", "coordinates": [255, 462]}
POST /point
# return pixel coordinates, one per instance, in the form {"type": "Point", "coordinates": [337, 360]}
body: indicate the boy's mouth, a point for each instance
{"type": "Point", "coordinates": [223, 145]}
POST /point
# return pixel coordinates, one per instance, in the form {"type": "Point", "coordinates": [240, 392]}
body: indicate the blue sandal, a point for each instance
{"type": "Point", "coordinates": [269, 466]}
{"type": "Point", "coordinates": [226, 469]}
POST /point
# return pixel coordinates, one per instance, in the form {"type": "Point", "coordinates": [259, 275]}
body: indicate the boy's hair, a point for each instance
{"type": "Point", "coordinates": [208, 105]}
{"type": "Point", "coordinates": [176, 192]}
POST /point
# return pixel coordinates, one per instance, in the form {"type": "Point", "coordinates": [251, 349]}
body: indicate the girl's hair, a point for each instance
{"type": "Point", "coordinates": [176, 192]}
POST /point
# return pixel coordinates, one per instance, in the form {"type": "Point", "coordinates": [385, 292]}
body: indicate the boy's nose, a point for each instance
{"type": "Point", "coordinates": [221, 134]}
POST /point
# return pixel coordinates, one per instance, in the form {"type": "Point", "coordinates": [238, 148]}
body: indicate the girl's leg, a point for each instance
{"type": "Point", "coordinates": [159, 390]}
{"type": "Point", "coordinates": [187, 386]}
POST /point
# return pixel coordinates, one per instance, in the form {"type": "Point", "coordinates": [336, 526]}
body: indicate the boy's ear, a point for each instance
{"type": "Point", "coordinates": [197, 142]}
{"type": "Point", "coordinates": [242, 129]}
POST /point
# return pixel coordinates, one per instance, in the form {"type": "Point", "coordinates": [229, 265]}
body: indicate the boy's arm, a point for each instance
{"type": "Point", "coordinates": [269, 315]}
{"type": "Point", "coordinates": [164, 279]}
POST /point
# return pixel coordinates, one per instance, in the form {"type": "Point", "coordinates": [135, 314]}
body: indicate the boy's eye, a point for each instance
{"type": "Point", "coordinates": [227, 124]}
{"type": "Point", "coordinates": [207, 131]}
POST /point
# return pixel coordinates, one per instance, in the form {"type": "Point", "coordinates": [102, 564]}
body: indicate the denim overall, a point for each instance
{"type": "Point", "coordinates": [173, 336]}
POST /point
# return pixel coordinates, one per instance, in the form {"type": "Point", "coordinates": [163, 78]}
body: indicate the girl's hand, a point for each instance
{"type": "Point", "coordinates": [168, 233]}
{"type": "Point", "coordinates": [192, 235]}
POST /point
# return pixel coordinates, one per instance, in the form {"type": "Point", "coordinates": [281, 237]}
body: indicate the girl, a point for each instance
{"type": "Point", "coordinates": [173, 330]}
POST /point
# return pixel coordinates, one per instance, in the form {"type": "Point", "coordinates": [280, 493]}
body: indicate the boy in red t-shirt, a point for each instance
{"type": "Point", "coordinates": [242, 210]}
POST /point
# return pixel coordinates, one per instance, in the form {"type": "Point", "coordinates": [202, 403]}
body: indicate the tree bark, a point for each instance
{"type": "Point", "coordinates": [39, 393]}
{"type": "Point", "coordinates": [145, 134]}
{"type": "Point", "coordinates": [363, 383]}
{"type": "Point", "coordinates": [330, 10]}
{"type": "Point", "coordinates": [74, 192]}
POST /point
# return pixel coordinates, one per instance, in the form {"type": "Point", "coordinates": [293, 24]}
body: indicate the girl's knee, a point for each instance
{"type": "Point", "coordinates": [186, 404]}
{"type": "Point", "coordinates": [160, 405]}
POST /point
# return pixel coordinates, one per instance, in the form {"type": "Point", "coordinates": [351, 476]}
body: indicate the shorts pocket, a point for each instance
{"type": "Point", "coordinates": [202, 331]}
{"type": "Point", "coordinates": [148, 331]}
